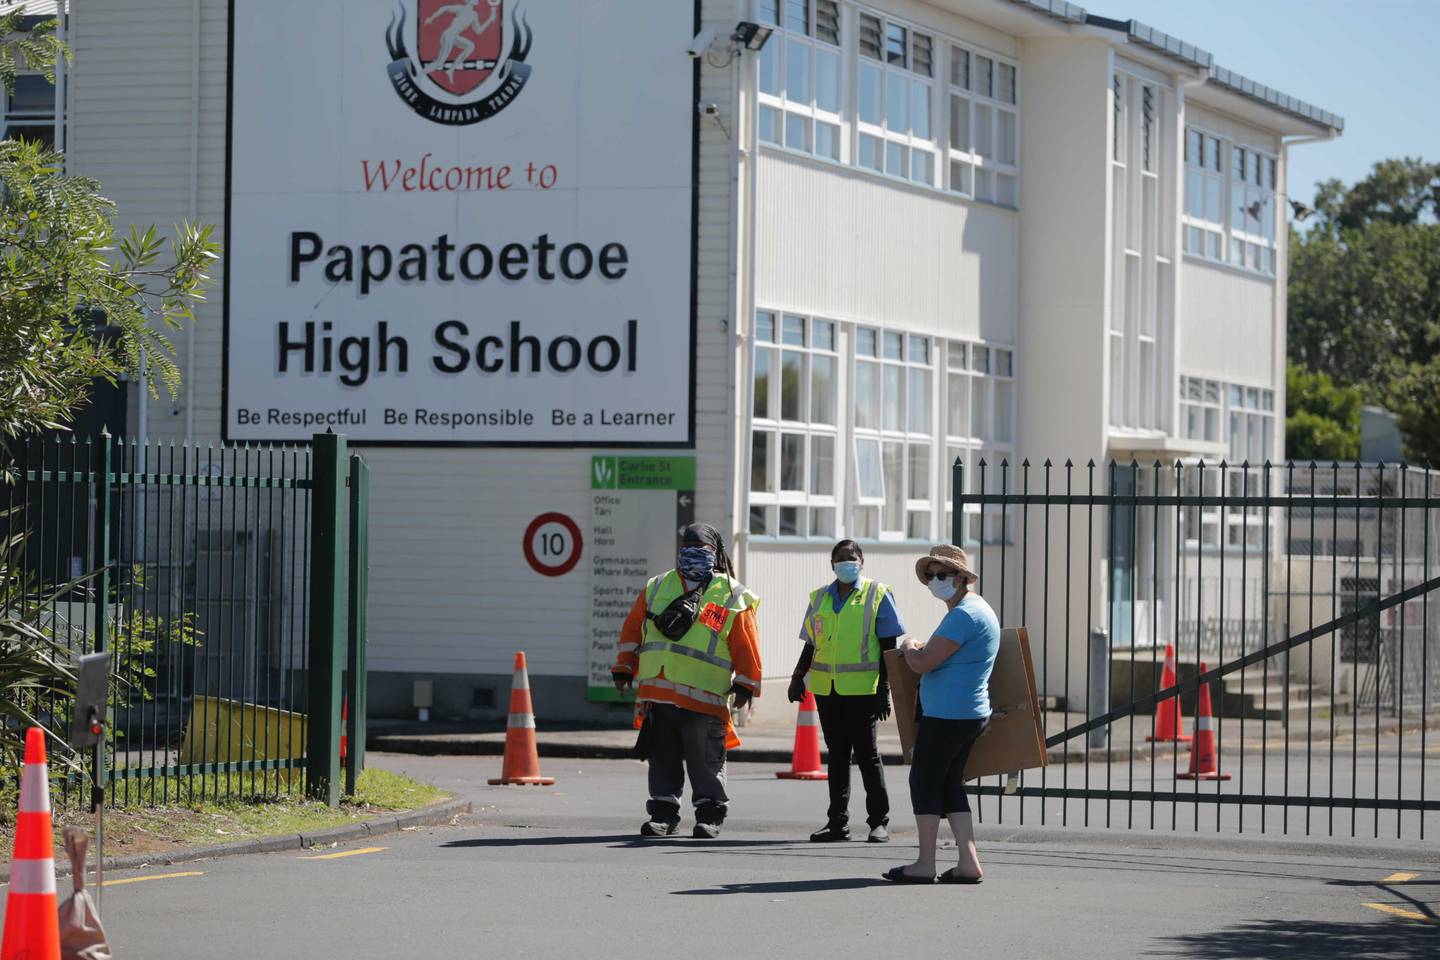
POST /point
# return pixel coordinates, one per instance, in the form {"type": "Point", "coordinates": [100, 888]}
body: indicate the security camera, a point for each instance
{"type": "Point", "coordinates": [710, 110]}
{"type": "Point", "coordinates": [702, 42]}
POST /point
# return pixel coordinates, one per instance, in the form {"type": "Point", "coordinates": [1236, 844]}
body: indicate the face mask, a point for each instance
{"type": "Point", "coordinates": [695, 564]}
{"type": "Point", "coordinates": [847, 571]}
{"type": "Point", "coordinates": [943, 589]}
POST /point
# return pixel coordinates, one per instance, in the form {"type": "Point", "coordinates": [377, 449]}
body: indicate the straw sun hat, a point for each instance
{"type": "Point", "coordinates": [947, 556]}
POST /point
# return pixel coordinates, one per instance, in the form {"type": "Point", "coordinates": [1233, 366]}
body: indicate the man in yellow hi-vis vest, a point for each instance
{"type": "Point", "coordinates": [848, 625]}
{"type": "Point", "coordinates": [690, 642]}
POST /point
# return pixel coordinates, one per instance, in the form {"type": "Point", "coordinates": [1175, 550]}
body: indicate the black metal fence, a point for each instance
{"type": "Point", "coordinates": [195, 568]}
{"type": "Point", "coordinates": [1299, 594]}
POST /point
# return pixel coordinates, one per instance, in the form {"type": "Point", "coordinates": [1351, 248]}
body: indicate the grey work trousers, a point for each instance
{"type": "Point", "coordinates": [682, 740]}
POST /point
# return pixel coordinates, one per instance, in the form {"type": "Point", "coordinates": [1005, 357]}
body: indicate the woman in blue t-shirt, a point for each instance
{"type": "Point", "coordinates": [954, 667]}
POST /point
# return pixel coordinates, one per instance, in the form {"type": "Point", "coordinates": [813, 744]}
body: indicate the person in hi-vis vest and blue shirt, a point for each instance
{"type": "Point", "coordinates": [690, 644]}
{"type": "Point", "coordinates": [848, 626]}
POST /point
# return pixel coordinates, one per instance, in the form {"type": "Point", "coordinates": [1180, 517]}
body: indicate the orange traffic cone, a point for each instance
{"type": "Point", "coordinates": [344, 726]}
{"type": "Point", "coordinates": [805, 761]}
{"type": "Point", "coordinates": [1169, 721]}
{"type": "Point", "coordinates": [1204, 755]}
{"type": "Point", "coordinates": [32, 919]}
{"type": "Point", "coordinates": [522, 762]}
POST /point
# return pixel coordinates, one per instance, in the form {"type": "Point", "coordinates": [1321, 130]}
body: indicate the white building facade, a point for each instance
{"type": "Point", "coordinates": [991, 230]}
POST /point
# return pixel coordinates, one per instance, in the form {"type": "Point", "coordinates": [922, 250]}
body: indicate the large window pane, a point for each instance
{"type": "Point", "coordinates": [761, 443]}
{"type": "Point", "coordinates": [959, 123]}
{"type": "Point", "coordinates": [822, 388]}
{"type": "Point", "coordinates": [893, 464]}
{"type": "Point", "coordinates": [1194, 193]}
{"type": "Point", "coordinates": [869, 94]}
{"type": "Point", "coordinates": [1003, 411]}
{"type": "Point", "coordinates": [919, 486]}
{"type": "Point", "coordinates": [792, 367]}
{"type": "Point", "coordinates": [894, 398]}
{"type": "Point", "coordinates": [919, 401]}
{"type": "Point", "coordinates": [827, 80]}
{"type": "Point", "coordinates": [797, 71]}
{"type": "Point", "coordinates": [1005, 141]}
{"type": "Point", "coordinates": [822, 466]}
{"type": "Point", "coordinates": [770, 69]}
{"type": "Point", "coordinates": [984, 129]}
{"type": "Point", "coordinates": [792, 461]}
{"type": "Point", "coordinates": [920, 110]}
{"type": "Point", "coordinates": [869, 478]}
{"type": "Point", "coordinates": [896, 102]}
{"type": "Point", "coordinates": [867, 396]}
{"type": "Point", "coordinates": [764, 364]}
{"type": "Point", "coordinates": [958, 424]}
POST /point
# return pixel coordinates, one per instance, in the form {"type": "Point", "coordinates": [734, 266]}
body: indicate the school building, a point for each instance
{"type": "Point", "coordinates": [569, 273]}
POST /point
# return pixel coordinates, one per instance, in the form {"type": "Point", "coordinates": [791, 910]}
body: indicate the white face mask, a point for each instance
{"type": "Point", "coordinates": [944, 589]}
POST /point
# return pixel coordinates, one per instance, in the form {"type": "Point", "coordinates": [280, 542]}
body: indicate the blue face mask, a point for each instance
{"type": "Point", "coordinates": [696, 564]}
{"type": "Point", "coordinates": [847, 571]}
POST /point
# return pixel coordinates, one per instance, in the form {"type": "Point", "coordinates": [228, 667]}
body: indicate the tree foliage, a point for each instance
{"type": "Point", "coordinates": [1322, 420]}
{"type": "Point", "coordinates": [1364, 299]}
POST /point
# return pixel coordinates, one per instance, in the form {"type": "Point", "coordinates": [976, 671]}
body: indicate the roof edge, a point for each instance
{"type": "Point", "coordinates": [1054, 9]}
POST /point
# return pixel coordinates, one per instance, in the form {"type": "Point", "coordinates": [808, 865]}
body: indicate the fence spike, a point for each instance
{"type": "Point", "coordinates": [1069, 464]}
{"type": "Point", "coordinates": [1025, 463]}
{"type": "Point", "coordinates": [1048, 463]}
{"type": "Point", "coordinates": [1091, 463]}
{"type": "Point", "coordinates": [1158, 464]}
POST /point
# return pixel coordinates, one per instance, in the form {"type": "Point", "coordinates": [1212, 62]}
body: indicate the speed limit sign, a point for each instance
{"type": "Point", "coordinates": [552, 544]}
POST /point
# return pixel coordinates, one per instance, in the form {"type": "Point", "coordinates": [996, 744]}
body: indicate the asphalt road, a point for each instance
{"type": "Point", "coordinates": [560, 871]}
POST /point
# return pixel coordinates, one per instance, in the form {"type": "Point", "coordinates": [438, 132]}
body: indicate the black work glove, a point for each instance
{"type": "Point", "coordinates": [796, 693]}
{"type": "Point", "coordinates": [743, 695]}
{"type": "Point", "coordinates": [621, 680]}
{"type": "Point", "coordinates": [881, 709]}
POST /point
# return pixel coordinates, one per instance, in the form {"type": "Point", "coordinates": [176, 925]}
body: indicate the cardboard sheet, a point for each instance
{"type": "Point", "coordinates": [1015, 738]}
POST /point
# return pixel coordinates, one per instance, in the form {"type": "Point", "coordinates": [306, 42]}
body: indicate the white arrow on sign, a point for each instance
{"type": "Point", "coordinates": [684, 500]}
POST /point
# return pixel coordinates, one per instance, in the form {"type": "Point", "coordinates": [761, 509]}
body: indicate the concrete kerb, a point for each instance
{"type": "Point", "coordinates": [433, 815]}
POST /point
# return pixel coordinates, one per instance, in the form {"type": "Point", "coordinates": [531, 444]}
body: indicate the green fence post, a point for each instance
{"type": "Point", "coordinates": [359, 595]}
{"type": "Point", "coordinates": [101, 618]}
{"type": "Point", "coordinates": [327, 618]}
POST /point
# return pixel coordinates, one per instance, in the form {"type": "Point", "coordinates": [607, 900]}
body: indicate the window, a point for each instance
{"type": "Point", "coordinates": [1252, 424]}
{"type": "Point", "coordinates": [895, 113]}
{"type": "Point", "coordinates": [793, 469]}
{"type": "Point", "coordinates": [1221, 176]}
{"type": "Point", "coordinates": [983, 153]}
{"type": "Point", "coordinates": [1200, 409]}
{"type": "Point", "coordinates": [29, 110]}
{"type": "Point", "coordinates": [893, 403]}
{"type": "Point", "coordinates": [979, 426]}
{"type": "Point", "coordinates": [799, 81]}
{"type": "Point", "coordinates": [1204, 195]}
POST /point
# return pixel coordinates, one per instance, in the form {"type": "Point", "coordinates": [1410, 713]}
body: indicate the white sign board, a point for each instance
{"type": "Point", "coordinates": [461, 222]}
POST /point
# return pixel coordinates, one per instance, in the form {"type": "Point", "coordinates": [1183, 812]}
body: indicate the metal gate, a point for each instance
{"type": "Point", "coordinates": [1299, 595]}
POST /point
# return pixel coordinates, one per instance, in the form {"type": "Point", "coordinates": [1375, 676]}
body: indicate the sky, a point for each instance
{"type": "Point", "coordinates": [1373, 62]}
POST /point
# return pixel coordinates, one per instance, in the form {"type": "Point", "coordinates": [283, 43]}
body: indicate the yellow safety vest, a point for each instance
{"type": "Point", "coordinates": [700, 659]}
{"type": "Point", "coordinates": [847, 649]}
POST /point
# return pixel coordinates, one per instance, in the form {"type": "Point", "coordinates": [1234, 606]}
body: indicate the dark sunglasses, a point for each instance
{"type": "Point", "coordinates": [942, 575]}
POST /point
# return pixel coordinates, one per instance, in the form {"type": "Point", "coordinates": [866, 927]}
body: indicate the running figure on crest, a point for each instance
{"type": "Point", "coordinates": [464, 17]}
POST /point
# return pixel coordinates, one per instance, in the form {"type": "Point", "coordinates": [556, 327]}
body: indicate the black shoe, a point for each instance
{"type": "Point", "coordinates": [658, 828]}
{"type": "Point", "coordinates": [878, 834]}
{"type": "Point", "coordinates": [831, 834]}
{"type": "Point", "coordinates": [706, 831]}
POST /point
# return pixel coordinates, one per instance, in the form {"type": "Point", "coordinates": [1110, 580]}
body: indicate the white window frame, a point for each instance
{"type": "Point", "coordinates": [778, 108]}
{"type": "Point", "coordinates": [1246, 411]}
{"type": "Point", "coordinates": [775, 499]}
{"type": "Point", "coordinates": [905, 74]}
{"type": "Point", "coordinates": [987, 370]}
{"type": "Point", "coordinates": [1204, 397]}
{"type": "Point", "coordinates": [1205, 236]}
{"type": "Point", "coordinates": [905, 436]}
{"type": "Point", "coordinates": [968, 172]}
{"type": "Point", "coordinates": [31, 118]}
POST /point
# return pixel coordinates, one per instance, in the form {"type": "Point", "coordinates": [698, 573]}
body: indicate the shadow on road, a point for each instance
{"type": "Point", "coordinates": [618, 840]}
{"type": "Point", "coordinates": [786, 886]}
{"type": "Point", "coordinates": [1314, 940]}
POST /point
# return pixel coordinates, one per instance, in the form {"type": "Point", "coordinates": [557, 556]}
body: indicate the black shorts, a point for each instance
{"type": "Point", "coordinates": [937, 771]}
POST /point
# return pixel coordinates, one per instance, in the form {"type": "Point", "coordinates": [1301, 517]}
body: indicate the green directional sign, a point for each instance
{"type": "Point", "coordinates": [642, 473]}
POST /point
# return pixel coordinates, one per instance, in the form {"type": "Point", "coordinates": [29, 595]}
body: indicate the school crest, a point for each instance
{"type": "Point", "coordinates": [458, 62]}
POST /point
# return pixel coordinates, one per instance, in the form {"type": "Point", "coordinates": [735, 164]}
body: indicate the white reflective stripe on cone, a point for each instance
{"type": "Point", "coordinates": [1204, 723]}
{"type": "Point", "coordinates": [522, 720]}
{"type": "Point", "coordinates": [808, 718]}
{"type": "Point", "coordinates": [32, 876]}
{"type": "Point", "coordinates": [521, 681]}
{"type": "Point", "coordinates": [34, 790]}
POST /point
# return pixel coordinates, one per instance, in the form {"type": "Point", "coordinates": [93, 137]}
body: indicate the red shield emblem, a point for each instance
{"type": "Point", "coordinates": [459, 41]}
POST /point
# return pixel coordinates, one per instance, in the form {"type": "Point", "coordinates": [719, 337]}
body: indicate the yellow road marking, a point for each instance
{"type": "Point", "coordinates": [1400, 877]}
{"type": "Point", "coordinates": [153, 876]}
{"type": "Point", "coordinates": [345, 853]}
{"type": "Point", "coordinates": [1397, 912]}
